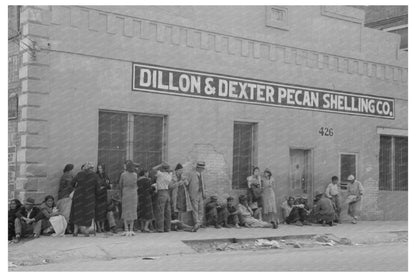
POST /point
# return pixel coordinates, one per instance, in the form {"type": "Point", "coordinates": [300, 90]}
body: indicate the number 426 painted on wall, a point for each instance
{"type": "Point", "coordinates": [327, 132]}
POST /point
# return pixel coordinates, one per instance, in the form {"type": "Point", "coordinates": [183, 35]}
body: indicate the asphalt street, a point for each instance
{"type": "Point", "coordinates": [377, 257]}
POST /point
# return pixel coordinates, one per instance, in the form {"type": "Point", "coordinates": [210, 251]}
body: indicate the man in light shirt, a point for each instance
{"type": "Point", "coordinates": [163, 211]}
{"type": "Point", "coordinates": [332, 192]}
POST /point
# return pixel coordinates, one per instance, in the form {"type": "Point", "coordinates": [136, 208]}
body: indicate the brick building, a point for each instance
{"type": "Point", "coordinates": [306, 91]}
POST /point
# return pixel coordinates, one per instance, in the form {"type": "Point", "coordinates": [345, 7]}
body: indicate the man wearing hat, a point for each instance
{"type": "Point", "coordinates": [355, 191]}
{"type": "Point", "coordinates": [179, 195]}
{"type": "Point", "coordinates": [163, 206]}
{"type": "Point", "coordinates": [196, 190]}
{"type": "Point", "coordinates": [28, 220]}
{"type": "Point", "coordinates": [324, 210]}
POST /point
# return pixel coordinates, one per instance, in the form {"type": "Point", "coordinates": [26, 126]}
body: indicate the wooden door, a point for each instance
{"type": "Point", "coordinates": [301, 173]}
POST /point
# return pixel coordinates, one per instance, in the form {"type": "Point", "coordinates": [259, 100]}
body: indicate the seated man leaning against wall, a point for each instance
{"type": "Point", "coordinates": [295, 211]}
{"type": "Point", "coordinates": [28, 220]}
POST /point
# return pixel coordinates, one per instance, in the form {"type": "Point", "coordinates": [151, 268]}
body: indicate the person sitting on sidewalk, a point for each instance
{"type": "Point", "coordinates": [27, 220]}
{"type": "Point", "coordinates": [246, 216]}
{"type": "Point", "coordinates": [114, 212]}
{"type": "Point", "coordinates": [324, 210]}
{"type": "Point", "coordinates": [15, 206]}
{"type": "Point", "coordinates": [232, 213]}
{"type": "Point", "coordinates": [215, 213]}
{"type": "Point", "coordinates": [51, 218]}
{"type": "Point", "coordinates": [295, 212]}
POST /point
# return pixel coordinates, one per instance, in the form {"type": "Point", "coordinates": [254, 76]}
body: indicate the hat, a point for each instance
{"type": "Point", "coordinates": [268, 171]}
{"type": "Point", "coordinates": [214, 197]}
{"type": "Point", "coordinates": [178, 166]}
{"type": "Point", "coordinates": [116, 197]}
{"type": "Point", "coordinates": [351, 178]}
{"type": "Point", "coordinates": [88, 165]}
{"type": "Point", "coordinates": [242, 197]}
{"type": "Point", "coordinates": [200, 164]}
{"type": "Point", "coordinates": [30, 200]}
{"type": "Point", "coordinates": [165, 166]}
{"type": "Point", "coordinates": [318, 193]}
{"type": "Point", "coordinates": [230, 198]}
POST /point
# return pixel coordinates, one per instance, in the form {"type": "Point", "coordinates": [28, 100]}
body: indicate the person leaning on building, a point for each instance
{"type": "Point", "coordinates": [163, 205]}
{"type": "Point", "coordinates": [65, 193]}
{"type": "Point", "coordinates": [14, 207]}
{"type": "Point", "coordinates": [196, 190]}
{"type": "Point", "coordinates": [255, 192]}
{"type": "Point", "coordinates": [332, 192]}
{"type": "Point", "coordinates": [355, 191]}
{"type": "Point", "coordinates": [269, 198]}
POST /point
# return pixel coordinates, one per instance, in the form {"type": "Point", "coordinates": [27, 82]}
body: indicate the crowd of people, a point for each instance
{"type": "Point", "coordinates": [159, 200]}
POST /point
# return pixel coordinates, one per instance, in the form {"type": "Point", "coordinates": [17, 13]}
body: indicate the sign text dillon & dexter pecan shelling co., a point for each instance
{"type": "Point", "coordinates": [157, 79]}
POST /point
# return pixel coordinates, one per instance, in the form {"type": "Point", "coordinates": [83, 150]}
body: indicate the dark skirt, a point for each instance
{"type": "Point", "coordinates": [145, 205]}
{"type": "Point", "coordinates": [101, 205]}
{"type": "Point", "coordinates": [83, 202]}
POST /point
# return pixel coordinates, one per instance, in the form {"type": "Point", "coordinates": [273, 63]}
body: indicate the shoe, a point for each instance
{"type": "Point", "coordinates": [113, 230]}
{"type": "Point", "coordinates": [228, 226]}
{"type": "Point", "coordinates": [17, 239]}
{"type": "Point", "coordinates": [274, 225]}
{"type": "Point", "coordinates": [75, 234]}
{"type": "Point", "coordinates": [35, 236]}
{"type": "Point", "coordinates": [306, 223]}
{"type": "Point", "coordinates": [237, 226]}
{"type": "Point", "coordinates": [217, 226]}
{"type": "Point", "coordinates": [195, 228]}
{"type": "Point", "coordinates": [298, 223]}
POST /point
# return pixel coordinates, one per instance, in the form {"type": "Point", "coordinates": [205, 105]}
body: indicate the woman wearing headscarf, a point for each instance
{"type": "Point", "coordinates": [52, 220]}
{"type": "Point", "coordinates": [269, 199]}
{"type": "Point", "coordinates": [128, 185]}
{"type": "Point", "coordinates": [83, 202]}
{"type": "Point", "coordinates": [15, 206]}
{"type": "Point", "coordinates": [145, 206]}
{"type": "Point", "coordinates": [64, 202]}
{"type": "Point", "coordinates": [101, 198]}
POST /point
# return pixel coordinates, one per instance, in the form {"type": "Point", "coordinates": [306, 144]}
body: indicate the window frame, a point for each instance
{"type": "Point", "coordinates": [254, 150]}
{"type": "Point", "coordinates": [392, 164]}
{"type": "Point", "coordinates": [344, 186]}
{"type": "Point", "coordinates": [130, 132]}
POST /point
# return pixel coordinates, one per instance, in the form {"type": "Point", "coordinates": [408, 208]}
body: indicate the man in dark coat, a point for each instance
{"type": "Point", "coordinates": [215, 213]}
{"type": "Point", "coordinates": [325, 210]}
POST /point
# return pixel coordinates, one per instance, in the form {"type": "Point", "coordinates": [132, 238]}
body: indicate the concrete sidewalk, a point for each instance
{"type": "Point", "coordinates": [108, 247]}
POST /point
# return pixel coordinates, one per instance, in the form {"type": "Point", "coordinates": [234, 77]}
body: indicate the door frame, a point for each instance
{"type": "Point", "coordinates": [310, 195]}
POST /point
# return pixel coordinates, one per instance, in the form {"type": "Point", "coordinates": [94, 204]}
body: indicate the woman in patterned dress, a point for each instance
{"type": "Point", "coordinates": [128, 185]}
{"type": "Point", "coordinates": [269, 198]}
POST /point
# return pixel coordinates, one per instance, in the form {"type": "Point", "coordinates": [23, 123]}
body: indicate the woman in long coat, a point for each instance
{"type": "Point", "coordinates": [145, 205]}
{"type": "Point", "coordinates": [83, 202]}
{"type": "Point", "coordinates": [101, 199]}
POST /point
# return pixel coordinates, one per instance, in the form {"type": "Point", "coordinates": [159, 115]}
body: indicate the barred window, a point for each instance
{"type": "Point", "coordinates": [393, 163]}
{"type": "Point", "coordinates": [243, 153]}
{"type": "Point", "coordinates": [348, 166]}
{"type": "Point", "coordinates": [127, 136]}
